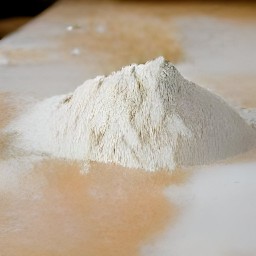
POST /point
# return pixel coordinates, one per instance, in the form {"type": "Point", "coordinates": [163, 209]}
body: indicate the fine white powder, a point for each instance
{"type": "Point", "coordinates": [143, 116]}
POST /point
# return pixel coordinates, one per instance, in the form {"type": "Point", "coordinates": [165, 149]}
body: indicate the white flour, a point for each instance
{"type": "Point", "coordinates": [144, 116]}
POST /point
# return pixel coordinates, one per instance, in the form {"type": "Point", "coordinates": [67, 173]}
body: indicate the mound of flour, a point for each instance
{"type": "Point", "coordinates": [143, 116]}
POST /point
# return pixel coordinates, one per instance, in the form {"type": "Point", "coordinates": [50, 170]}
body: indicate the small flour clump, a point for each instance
{"type": "Point", "coordinates": [143, 116]}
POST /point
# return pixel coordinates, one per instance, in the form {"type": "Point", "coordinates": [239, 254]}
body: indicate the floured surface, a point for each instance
{"type": "Point", "coordinates": [75, 43]}
{"type": "Point", "coordinates": [110, 211]}
{"type": "Point", "coordinates": [227, 190]}
{"type": "Point", "coordinates": [218, 214]}
{"type": "Point", "coordinates": [228, 65]}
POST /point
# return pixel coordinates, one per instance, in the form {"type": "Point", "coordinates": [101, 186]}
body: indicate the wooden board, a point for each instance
{"type": "Point", "coordinates": [47, 207]}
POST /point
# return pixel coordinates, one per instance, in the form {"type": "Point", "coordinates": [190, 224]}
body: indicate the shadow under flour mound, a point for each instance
{"type": "Point", "coordinates": [11, 105]}
{"type": "Point", "coordinates": [6, 141]}
{"type": "Point", "coordinates": [7, 109]}
{"type": "Point", "coordinates": [109, 211]}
